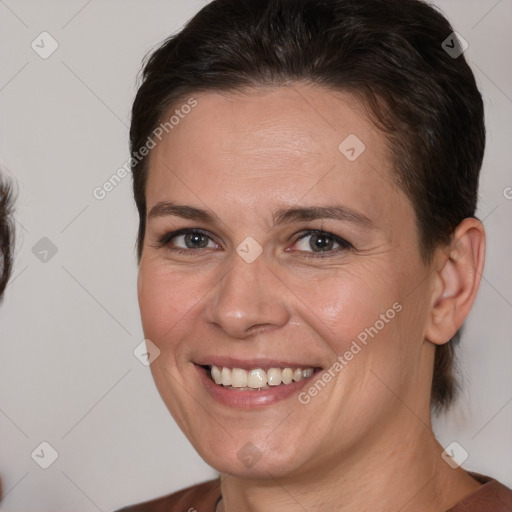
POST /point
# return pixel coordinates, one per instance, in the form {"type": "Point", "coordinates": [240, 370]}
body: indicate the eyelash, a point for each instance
{"type": "Point", "coordinates": [165, 240]}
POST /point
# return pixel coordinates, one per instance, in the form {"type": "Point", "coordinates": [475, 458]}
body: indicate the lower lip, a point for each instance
{"type": "Point", "coordinates": [250, 399]}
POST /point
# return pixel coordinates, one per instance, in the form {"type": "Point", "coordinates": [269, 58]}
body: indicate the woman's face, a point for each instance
{"type": "Point", "coordinates": [302, 253]}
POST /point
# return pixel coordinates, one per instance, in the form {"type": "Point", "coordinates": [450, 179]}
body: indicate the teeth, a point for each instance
{"type": "Point", "coordinates": [258, 378]}
{"type": "Point", "coordinates": [226, 376]}
{"type": "Point", "coordinates": [307, 373]}
{"type": "Point", "coordinates": [238, 378]}
{"type": "Point", "coordinates": [217, 375]}
{"type": "Point", "coordinates": [274, 376]}
{"type": "Point", "coordinates": [287, 375]}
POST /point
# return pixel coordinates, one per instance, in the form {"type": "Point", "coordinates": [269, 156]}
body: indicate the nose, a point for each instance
{"type": "Point", "coordinates": [249, 299]}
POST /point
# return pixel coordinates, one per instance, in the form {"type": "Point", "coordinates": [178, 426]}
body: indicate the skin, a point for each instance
{"type": "Point", "coordinates": [365, 441]}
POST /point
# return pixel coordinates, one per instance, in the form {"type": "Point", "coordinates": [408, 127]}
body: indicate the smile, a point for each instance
{"type": "Point", "coordinates": [256, 383]}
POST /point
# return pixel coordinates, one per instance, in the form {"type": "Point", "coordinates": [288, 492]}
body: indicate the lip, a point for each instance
{"type": "Point", "coordinates": [251, 399]}
{"type": "Point", "coordinates": [251, 364]}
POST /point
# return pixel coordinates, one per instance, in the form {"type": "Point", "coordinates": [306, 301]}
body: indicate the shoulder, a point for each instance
{"type": "Point", "coordinates": [491, 496]}
{"type": "Point", "coordinates": [197, 498]}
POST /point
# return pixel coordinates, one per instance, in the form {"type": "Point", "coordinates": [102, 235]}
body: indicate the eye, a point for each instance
{"type": "Point", "coordinates": [320, 244]}
{"type": "Point", "coordinates": [186, 241]}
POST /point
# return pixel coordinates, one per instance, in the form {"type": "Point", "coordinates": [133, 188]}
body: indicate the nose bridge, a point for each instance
{"type": "Point", "coordinates": [248, 296]}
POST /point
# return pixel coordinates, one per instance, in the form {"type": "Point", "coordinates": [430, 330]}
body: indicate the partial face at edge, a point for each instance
{"type": "Point", "coordinates": [315, 289]}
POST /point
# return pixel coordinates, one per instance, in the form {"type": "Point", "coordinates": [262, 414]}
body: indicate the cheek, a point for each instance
{"type": "Point", "coordinates": [171, 302]}
{"type": "Point", "coordinates": [163, 302]}
{"type": "Point", "coordinates": [345, 306]}
{"type": "Point", "coordinates": [150, 302]}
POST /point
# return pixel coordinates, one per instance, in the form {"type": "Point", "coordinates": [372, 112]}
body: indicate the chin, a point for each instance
{"type": "Point", "coordinates": [253, 460]}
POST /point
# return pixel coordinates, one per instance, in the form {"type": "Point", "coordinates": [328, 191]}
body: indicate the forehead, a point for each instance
{"type": "Point", "coordinates": [293, 121]}
{"type": "Point", "coordinates": [267, 147]}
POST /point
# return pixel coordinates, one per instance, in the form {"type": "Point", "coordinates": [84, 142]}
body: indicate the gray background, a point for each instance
{"type": "Point", "coordinates": [68, 325]}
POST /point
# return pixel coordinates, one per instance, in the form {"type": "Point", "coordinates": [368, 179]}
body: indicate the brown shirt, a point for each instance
{"type": "Point", "coordinates": [491, 496]}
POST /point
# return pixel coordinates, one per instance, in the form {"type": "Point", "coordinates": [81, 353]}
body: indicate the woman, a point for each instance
{"type": "Point", "coordinates": [306, 175]}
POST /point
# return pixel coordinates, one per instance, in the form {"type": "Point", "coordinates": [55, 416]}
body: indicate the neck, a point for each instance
{"type": "Point", "coordinates": [402, 470]}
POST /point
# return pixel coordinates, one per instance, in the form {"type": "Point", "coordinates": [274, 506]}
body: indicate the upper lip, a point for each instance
{"type": "Point", "coordinates": [250, 364]}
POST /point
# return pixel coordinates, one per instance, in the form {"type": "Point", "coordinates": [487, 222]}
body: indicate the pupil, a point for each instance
{"type": "Point", "coordinates": [320, 242]}
{"type": "Point", "coordinates": [195, 240]}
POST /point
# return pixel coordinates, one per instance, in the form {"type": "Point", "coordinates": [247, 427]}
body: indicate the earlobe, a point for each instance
{"type": "Point", "coordinates": [457, 279]}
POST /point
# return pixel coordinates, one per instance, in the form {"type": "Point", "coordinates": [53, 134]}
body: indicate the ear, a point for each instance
{"type": "Point", "coordinates": [458, 272]}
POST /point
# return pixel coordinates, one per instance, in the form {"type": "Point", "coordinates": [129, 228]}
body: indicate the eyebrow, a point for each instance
{"type": "Point", "coordinates": [308, 213]}
{"type": "Point", "coordinates": [280, 216]}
